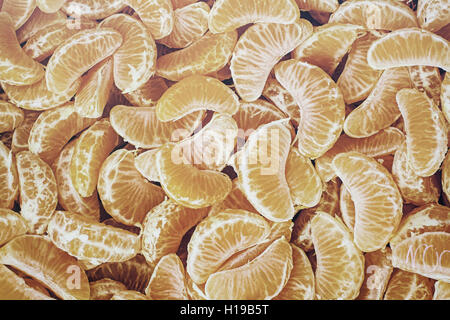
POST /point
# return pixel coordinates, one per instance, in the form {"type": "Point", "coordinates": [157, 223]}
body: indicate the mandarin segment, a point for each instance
{"type": "Point", "coordinates": [135, 60]}
{"type": "Point", "coordinates": [40, 258]}
{"type": "Point", "coordinates": [414, 189]}
{"type": "Point", "coordinates": [387, 141]}
{"type": "Point", "coordinates": [196, 93]}
{"type": "Point", "coordinates": [408, 286]}
{"type": "Point", "coordinates": [38, 21]}
{"type": "Point", "coordinates": [91, 241]}
{"type": "Point", "coordinates": [218, 237]}
{"type": "Point", "coordinates": [53, 129]}
{"type": "Point", "coordinates": [12, 225]}
{"type": "Point", "coordinates": [338, 36]}
{"type": "Point", "coordinates": [190, 24]}
{"type": "Point", "coordinates": [68, 196]}
{"type": "Point", "coordinates": [321, 105]}
{"type": "Point", "coordinates": [168, 281]}
{"type": "Point", "coordinates": [186, 184]}
{"type": "Point", "coordinates": [38, 190]}
{"type": "Point", "coordinates": [9, 180]}
{"type": "Point", "coordinates": [10, 116]}
{"type": "Point", "coordinates": [164, 227]}
{"type": "Point", "coordinates": [207, 54]}
{"type": "Point", "coordinates": [125, 194]}
{"type": "Point", "coordinates": [18, 10]}
{"type": "Point", "coordinates": [340, 264]}
{"type": "Point", "coordinates": [426, 131]}
{"type": "Point", "coordinates": [92, 9]}
{"type": "Point", "coordinates": [64, 66]}
{"type": "Point", "coordinates": [91, 149]}
{"type": "Point", "coordinates": [409, 47]}
{"type": "Point", "coordinates": [228, 15]}
{"type": "Point", "coordinates": [259, 49]}
{"type": "Point", "coordinates": [378, 202]}
{"type": "Point", "coordinates": [16, 67]}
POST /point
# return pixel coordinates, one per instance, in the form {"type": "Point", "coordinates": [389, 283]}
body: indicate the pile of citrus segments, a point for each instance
{"type": "Point", "coordinates": [227, 149]}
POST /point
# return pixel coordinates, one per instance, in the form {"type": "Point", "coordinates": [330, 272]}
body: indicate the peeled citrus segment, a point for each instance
{"type": "Point", "coordinates": [164, 227]}
{"type": "Point", "coordinates": [251, 115]}
{"type": "Point", "coordinates": [12, 225]}
{"type": "Point", "coordinates": [301, 284]}
{"type": "Point", "coordinates": [37, 97]}
{"type": "Point", "coordinates": [135, 60]}
{"type": "Point", "coordinates": [218, 237]}
{"type": "Point", "coordinates": [378, 202]}
{"type": "Point", "coordinates": [140, 126]}
{"type": "Point", "coordinates": [317, 5]}
{"type": "Point", "coordinates": [125, 194]}
{"type": "Point", "coordinates": [280, 97]}
{"type": "Point", "coordinates": [38, 21]}
{"type": "Point", "coordinates": [240, 258]}
{"type": "Point", "coordinates": [427, 79]}
{"type": "Point", "coordinates": [10, 116]}
{"type": "Point", "coordinates": [40, 258]}
{"type": "Point", "coordinates": [146, 164]}
{"type": "Point", "coordinates": [129, 295]}
{"type": "Point", "coordinates": [88, 240]}
{"type": "Point", "coordinates": [149, 93]}
{"type": "Point", "coordinates": [380, 109]}
{"type": "Point", "coordinates": [347, 207]}
{"type": "Point", "coordinates": [408, 286]}
{"type": "Point", "coordinates": [340, 264]}
{"type": "Point", "coordinates": [68, 196]}
{"type": "Point", "coordinates": [445, 176]}
{"type": "Point", "coordinates": [261, 171]}
{"type": "Point", "coordinates": [375, 14]}
{"type": "Point", "coordinates": [190, 24]}
{"type": "Point", "coordinates": [53, 129]}
{"type": "Point", "coordinates": [228, 15]}
{"type": "Point", "coordinates": [303, 180]}
{"type": "Point", "coordinates": [157, 15]}
{"type": "Point", "coordinates": [211, 147]}
{"type": "Point", "coordinates": [314, 50]}
{"type": "Point", "coordinates": [259, 49]}
{"type": "Point", "coordinates": [387, 141]}
{"type": "Point", "coordinates": [262, 278]}
{"type": "Point", "coordinates": [94, 90]}
{"type": "Point", "coordinates": [133, 273]}
{"type": "Point", "coordinates": [104, 289]}
{"type": "Point", "coordinates": [193, 94]}
{"type": "Point", "coordinates": [425, 254]}
{"type": "Point", "coordinates": [18, 10]}
{"type": "Point", "coordinates": [168, 281]}
{"type": "Point", "coordinates": [91, 149]}
{"type": "Point", "coordinates": [329, 203]}
{"type": "Point", "coordinates": [409, 47]}
{"type": "Point", "coordinates": [426, 131]}
{"type": "Point", "coordinates": [414, 189]}
{"type": "Point", "coordinates": [431, 217]}
{"type": "Point", "coordinates": [64, 66]}
{"type": "Point", "coordinates": [321, 105]}
{"type": "Point", "coordinates": [92, 9]}
{"type": "Point", "coordinates": [17, 68]}
{"type": "Point", "coordinates": [188, 185]}
{"type": "Point", "coordinates": [14, 287]}
{"type": "Point", "coordinates": [445, 97]}
{"type": "Point", "coordinates": [44, 42]}
{"type": "Point", "coordinates": [208, 54]}
{"type": "Point", "coordinates": [433, 15]}
{"type": "Point", "coordinates": [50, 6]}
{"type": "Point", "coordinates": [378, 272]}
{"type": "Point", "coordinates": [358, 79]}
{"type": "Point", "coordinates": [441, 290]}
{"type": "Point", "coordinates": [22, 132]}
{"type": "Point", "coordinates": [38, 190]}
